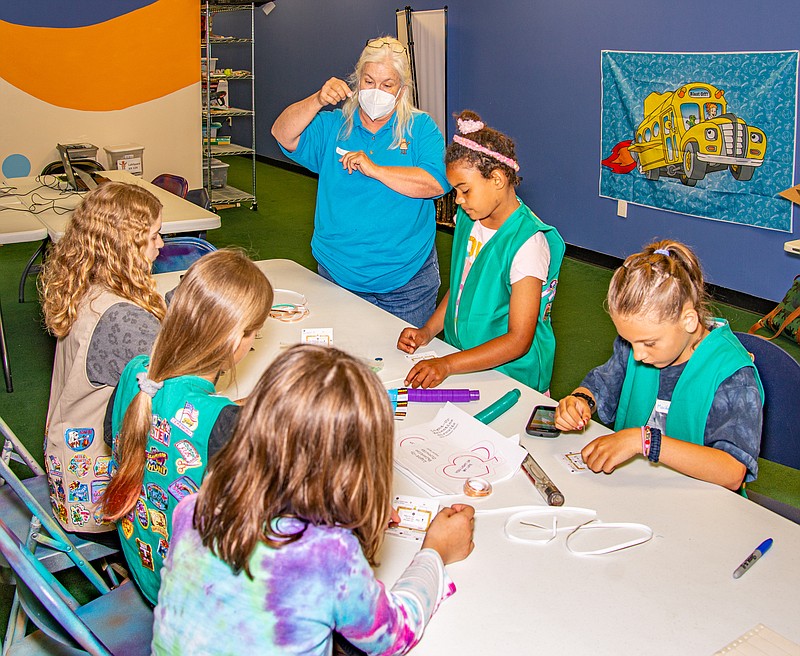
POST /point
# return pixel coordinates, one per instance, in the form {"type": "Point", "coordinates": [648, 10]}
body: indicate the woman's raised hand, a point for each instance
{"type": "Point", "coordinates": [333, 92]}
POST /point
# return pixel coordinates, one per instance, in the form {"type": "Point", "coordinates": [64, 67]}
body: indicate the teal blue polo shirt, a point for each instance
{"type": "Point", "coordinates": [369, 237]}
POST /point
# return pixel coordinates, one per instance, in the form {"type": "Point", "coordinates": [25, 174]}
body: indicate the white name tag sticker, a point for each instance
{"type": "Point", "coordinates": [662, 407]}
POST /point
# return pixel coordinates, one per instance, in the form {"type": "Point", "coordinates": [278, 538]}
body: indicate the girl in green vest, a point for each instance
{"type": "Point", "coordinates": [504, 270]}
{"type": "Point", "coordinates": [679, 388]}
{"type": "Point", "coordinates": [167, 420]}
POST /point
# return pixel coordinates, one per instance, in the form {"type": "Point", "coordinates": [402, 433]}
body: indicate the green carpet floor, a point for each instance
{"type": "Point", "coordinates": [281, 228]}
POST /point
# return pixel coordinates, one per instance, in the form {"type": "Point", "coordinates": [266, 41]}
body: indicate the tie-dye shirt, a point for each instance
{"type": "Point", "coordinates": [298, 596]}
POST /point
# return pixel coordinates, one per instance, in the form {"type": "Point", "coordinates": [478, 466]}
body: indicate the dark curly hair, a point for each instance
{"type": "Point", "coordinates": [491, 139]}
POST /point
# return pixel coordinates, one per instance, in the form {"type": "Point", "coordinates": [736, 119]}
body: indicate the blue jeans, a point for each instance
{"type": "Point", "coordinates": [415, 301]}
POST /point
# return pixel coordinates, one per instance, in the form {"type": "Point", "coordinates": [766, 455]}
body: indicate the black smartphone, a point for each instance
{"type": "Point", "coordinates": [542, 422]}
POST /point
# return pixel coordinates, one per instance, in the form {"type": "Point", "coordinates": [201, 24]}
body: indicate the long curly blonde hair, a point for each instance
{"type": "Point", "coordinates": [103, 248]}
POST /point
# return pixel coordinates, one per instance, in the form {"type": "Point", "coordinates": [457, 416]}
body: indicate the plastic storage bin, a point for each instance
{"type": "Point", "coordinates": [126, 157]}
{"type": "Point", "coordinates": [82, 151]}
{"type": "Point", "coordinates": [219, 173]}
{"type": "Point", "coordinates": [210, 62]}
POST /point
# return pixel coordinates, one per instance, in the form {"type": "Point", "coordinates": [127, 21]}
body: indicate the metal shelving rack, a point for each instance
{"type": "Point", "coordinates": [228, 195]}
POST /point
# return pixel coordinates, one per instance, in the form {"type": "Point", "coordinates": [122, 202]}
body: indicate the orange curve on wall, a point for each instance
{"type": "Point", "coordinates": [126, 61]}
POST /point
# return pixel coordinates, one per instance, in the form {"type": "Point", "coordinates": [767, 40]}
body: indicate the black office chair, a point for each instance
{"type": "Point", "coordinates": [780, 434]}
{"type": "Point", "coordinates": [88, 165]}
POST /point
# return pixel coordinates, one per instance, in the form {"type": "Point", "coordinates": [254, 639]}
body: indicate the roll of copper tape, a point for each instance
{"type": "Point", "coordinates": [477, 487]}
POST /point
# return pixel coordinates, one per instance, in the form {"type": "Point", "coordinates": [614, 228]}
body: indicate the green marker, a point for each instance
{"type": "Point", "coordinates": [497, 408]}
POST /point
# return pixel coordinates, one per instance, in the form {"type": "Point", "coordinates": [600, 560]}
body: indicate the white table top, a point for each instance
{"type": "Point", "coordinates": [673, 595]}
{"type": "Point", "coordinates": [17, 225]}
{"type": "Point", "coordinates": [51, 208]}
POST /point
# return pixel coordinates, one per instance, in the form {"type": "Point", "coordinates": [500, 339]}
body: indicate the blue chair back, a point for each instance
{"type": "Point", "coordinates": [179, 253]}
{"type": "Point", "coordinates": [780, 375]}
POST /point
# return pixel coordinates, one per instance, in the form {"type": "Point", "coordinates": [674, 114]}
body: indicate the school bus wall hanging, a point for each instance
{"type": "Point", "coordinates": [690, 132]}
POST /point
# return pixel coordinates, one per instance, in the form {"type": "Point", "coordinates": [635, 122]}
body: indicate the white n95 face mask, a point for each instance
{"type": "Point", "coordinates": [376, 103]}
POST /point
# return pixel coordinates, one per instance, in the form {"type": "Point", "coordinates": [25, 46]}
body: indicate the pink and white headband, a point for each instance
{"type": "Point", "coordinates": [466, 126]}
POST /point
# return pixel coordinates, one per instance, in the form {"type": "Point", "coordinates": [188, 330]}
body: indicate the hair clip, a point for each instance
{"type": "Point", "coordinates": [662, 251]}
{"type": "Point", "coordinates": [468, 126]}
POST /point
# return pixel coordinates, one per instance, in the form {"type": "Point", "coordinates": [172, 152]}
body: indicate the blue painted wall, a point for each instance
{"type": "Point", "coordinates": [532, 69]}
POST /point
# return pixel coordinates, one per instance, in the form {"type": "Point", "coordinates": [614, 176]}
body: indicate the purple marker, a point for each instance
{"type": "Point", "coordinates": [434, 395]}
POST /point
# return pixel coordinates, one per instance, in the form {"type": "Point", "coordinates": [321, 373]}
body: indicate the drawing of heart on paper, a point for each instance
{"type": "Point", "coordinates": [480, 461]}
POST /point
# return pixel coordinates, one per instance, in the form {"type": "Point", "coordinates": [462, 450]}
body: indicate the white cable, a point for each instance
{"type": "Point", "coordinates": [515, 524]}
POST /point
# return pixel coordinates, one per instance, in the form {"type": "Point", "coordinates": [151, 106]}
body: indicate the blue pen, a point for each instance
{"type": "Point", "coordinates": [761, 549]}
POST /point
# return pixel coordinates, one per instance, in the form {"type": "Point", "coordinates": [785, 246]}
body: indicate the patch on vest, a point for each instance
{"type": "Point", "coordinates": [141, 514]}
{"type": "Point", "coordinates": [145, 554]}
{"type": "Point", "coordinates": [158, 522]}
{"type": "Point", "coordinates": [98, 488]}
{"type": "Point", "coordinates": [78, 492]}
{"type": "Point", "coordinates": [160, 430]}
{"type": "Point", "coordinates": [182, 487]}
{"type": "Point", "coordinates": [80, 515]}
{"type": "Point", "coordinates": [79, 439]}
{"type": "Point", "coordinates": [157, 496]}
{"type": "Point", "coordinates": [79, 465]}
{"type": "Point", "coordinates": [186, 419]}
{"type": "Point", "coordinates": [102, 467]}
{"type": "Point", "coordinates": [156, 461]}
{"type": "Point", "coordinates": [191, 458]}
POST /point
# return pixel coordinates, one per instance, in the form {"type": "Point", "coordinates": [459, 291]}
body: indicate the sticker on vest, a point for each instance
{"type": "Point", "coordinates": [98, 487]}
{"type": "Point", "coordinates": [80, 515]}
{"type": "Point", "coordinates": [163, 547]}
{"type": "Point", "coordinates": [54, 465]}
{"type": "Point", "coordinates": [549, 292]}
{"type": "Point", "coordinates": [78, 492]}
{"type": "Point", "coordinates": [141, 514]}
{"type": "Point", "coordinates": [156, 461]}
{"type": "Point", "coordinates": [182, 487]}
{"type": "Point", "coordinates": [145, 554]}
{"type": "Point", "coordinates": [102, 467]}
{"type": "Point", "coordinates": [79, 439]}
{"type": "Point", "coordinates": [160, 430]}
{"type": "Point", "coordinates": [191, 458]}
{"type": "Point", "coordinates": [662, 407]}
{"type": "Point", "coordinates": [127, 527]}
{"type": "Point", "coordinates": [186, 419]}
{"type": "Point", "coordinates": [61, 512]}
{"type": "Point", "coordinates": [157, 496]}
{"type": "Point", "coordinates": [57, 488]}
{"type": "Point", "coordinates": [99, 519]}
{"type": "Point", "coordinates": [80, 465]}
{"type": "Point", "coordinates": [158, 522]}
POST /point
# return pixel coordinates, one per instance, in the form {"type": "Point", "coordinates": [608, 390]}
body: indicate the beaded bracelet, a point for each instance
{"type": "Point", "coordinates": [655, 445]}
{"type": "Point", "coordinates": [646, 441]}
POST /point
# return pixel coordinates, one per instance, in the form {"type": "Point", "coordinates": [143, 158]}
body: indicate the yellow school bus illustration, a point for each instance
{"type": "Point", "coordinates": [689, 132]}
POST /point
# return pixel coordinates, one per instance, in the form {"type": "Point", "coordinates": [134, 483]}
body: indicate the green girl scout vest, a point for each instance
{"type": "Point", "coordinates": [716, 358]}
{"type": "Point", "coordinates": [184, 412]}
{"type": "Point", "coordinates": [483, 310]}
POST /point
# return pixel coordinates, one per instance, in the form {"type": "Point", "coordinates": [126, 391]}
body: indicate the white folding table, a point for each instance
{"type": "Point", "coordinates": [672, 595]}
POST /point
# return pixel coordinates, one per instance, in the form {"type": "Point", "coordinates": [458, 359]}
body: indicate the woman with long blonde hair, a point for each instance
{"type": "Point", "coordinates": [167, 420]}
{"type": "Point", "coordinates": [280, 540]}
{"type": "Point", "coordinates": [380, 163]}
{"type": "Point", "coordinates": [100, 300]}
